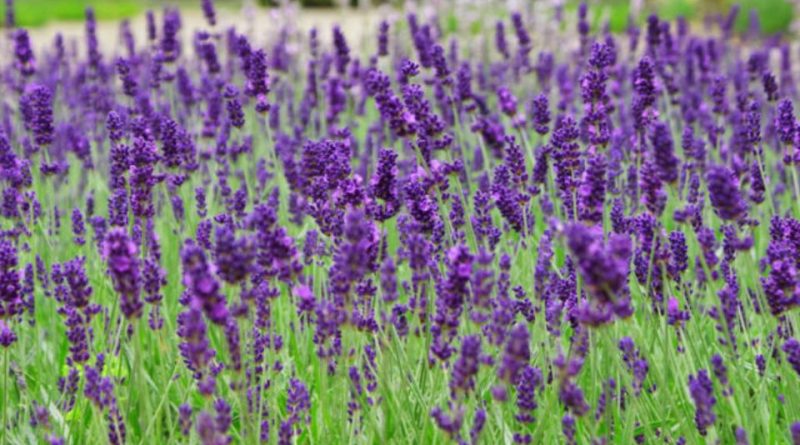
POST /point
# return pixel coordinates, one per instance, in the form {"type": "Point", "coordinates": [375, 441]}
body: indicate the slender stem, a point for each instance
{"type": "Point", "coordinates": [796, 185]}
{"type": "Point", "coordinates": [5, 394]}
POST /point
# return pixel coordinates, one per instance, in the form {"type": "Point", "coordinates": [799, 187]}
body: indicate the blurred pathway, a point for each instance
{"type": "Point", "coordinates": [258, 23]}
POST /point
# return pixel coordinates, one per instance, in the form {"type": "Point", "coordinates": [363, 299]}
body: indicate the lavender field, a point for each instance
{"type": "Point", "coordinates": [536, 232]}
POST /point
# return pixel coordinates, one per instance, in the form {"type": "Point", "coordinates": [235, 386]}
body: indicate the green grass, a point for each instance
{"type": "Point", "coordinates": [31, 13]}
{"type": "Point", "coordinates": [775, 15]}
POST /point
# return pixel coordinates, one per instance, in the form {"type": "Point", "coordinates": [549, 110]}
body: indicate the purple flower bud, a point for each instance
{"type": "Point", "coordinates": [120, 254]}
{"type": "Point", "coordinates": [723, 190]}
{"type": "Point", "coordinates": [507, 101]}
{"type": "Point", "coordinates": [383, 39]}
{"type": "Point", "coordinates": [202, 285]}
{"type": "Point", "coordinates": [792, 350]}
{"type": "Point", "coordinates": [541, 114]}
{"type": "Point", "coordinates": [785, 121]}
{"type": "Point", "coordinates": [209, 12]}
{"type": "Point", "coordinates": [78, 227]}
{"type": "Point", "coordinates": [25, 60]}
{"type": "Point", "coordinates": [702, 391]}
{"type": "Point", "coordinates": [342, 50]}
{"type": "Point", "coordinates": [39, 119]}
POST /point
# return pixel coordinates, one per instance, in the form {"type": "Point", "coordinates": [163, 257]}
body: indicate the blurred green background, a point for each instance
{"type": "Point", "coordinates": [774, 15]}
{"type": "Point", "coordinates": [31, 13]}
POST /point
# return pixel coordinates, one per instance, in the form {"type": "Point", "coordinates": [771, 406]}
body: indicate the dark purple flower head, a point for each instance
{"type": "Point", "coordinates": [529, 380]}
{"type": "Point", "coordinates": [723, 190]}
{"type": "Point", "coordinates": [568, 428]}
{"type": "Point", "coordinates": [795, 431]}
{"type": "Point", "coordinates": [258, 80]}
{"type": "Point", "coordinates": [781, 284]}
{"type": "Point", "coordinates": [604, 268]}
{"type": "Point", "coordinates": [120, 253]}
{"type": "Point", "coordinates": [185, 418]}
{"type": "Point", "coordinates": [792, 350]}
{"type": "Point", "coordinates": [592, 191]}
{"type": "Point", "coordinates": [566, 155]}
{"type": "Point", "coordinates": [770, 86]}
{"type": "Point", "coordinates": [679, 259]}
{"type": "Point", "coordinates": [342, 51]}
{"type": "Point", "coordinates": [466, 367]}
{"type": "Point", "coordinates": [408, 70]}
{"type": "Point", "coordinates": [516, 354]}
{"type": "Point", "coordinates": [150, 19]}
{"type": "Point", "coordinates": [25, 60]}
{"type": "Point", "coordinates": [7, 336]}
{"type": "Point", "coordinates": [38, 101]}
{"type": "Point", "coordinates": [78, 227]}
{"type": "Point", "coordinates": [143, 179]}
{"type": "Point", "coordinates": [234, 106]}
{"type": "Point", "coordinates": [523, 37]}
{"type": "Point", "coordinates": [664, 153]}
{"type": "Point", "coordinates": [209, 12]}
{"type": "Point", "coordinates": [170, 41]}
{"type": "Point", "coordinates": [92, 45]}
{"type": "Point", "coordinates": [702, 391]}
{"type": "Point", "coordinates": [785, 122]}
{"type": "Point", "coordinates": [201, 283]}
{"type": "Point", "coordinates": [541, 114]}
{"type": "Point", "coordinates": [10, 286]}
{"type": "Point", "coordinates": [10, 21]}
{"type": "Point", "coordinates": [653, 196]}
{"type": "Point", "coordinates": [383, 39]}
{"type": "Point", "coordinates": [507, 101]}
{"type": "Point", "coordinates": [233, 257]}
{"type": "Point", "coordinates": [583, 23]}
{"type": "Point", "coordinates": [500, 40]}
{"type": "Point", "coordinates": [129, 83]}
{"type": "Point", "coordinates": [385, 201]}
{"type": "Point", "coordinates": [115, 126]}
{"type": "Point", "coordinates": [195, 349]}
{"type": "Point", "coordinates": [645, 88]}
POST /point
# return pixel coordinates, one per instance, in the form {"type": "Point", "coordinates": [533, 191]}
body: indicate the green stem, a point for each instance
{"type": "Point", "coordinates": [5, 394]}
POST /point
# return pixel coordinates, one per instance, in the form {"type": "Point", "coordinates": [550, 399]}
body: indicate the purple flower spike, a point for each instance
{"type": "Point", "coordinates": [120, 253]}
{"type": "Point", "coordinates": [201, 283]}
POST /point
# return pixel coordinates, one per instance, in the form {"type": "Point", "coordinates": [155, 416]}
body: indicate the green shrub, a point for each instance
{"type": "Point", "coordinates": [775, 16]}
{"type": "Point", "coordinates": [31, 13]}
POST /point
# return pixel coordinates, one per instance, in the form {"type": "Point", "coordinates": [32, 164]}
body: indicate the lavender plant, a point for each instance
{"type": "Point", "coordinates": [211, 236]}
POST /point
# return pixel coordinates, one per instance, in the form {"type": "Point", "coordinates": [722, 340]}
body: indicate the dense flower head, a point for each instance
{"type": "Point", "coordinates": [233, 256]}
{"type": "Point", "coordinates": [121, 255]}
{"type": "Point", "coordinates": [792, 350]}
{"type": "Point", "coordinates": [201, 283]}
{"type": "Point", "coordinates": [653, 196]}
{"type": "Point", "coordinates": [10, 286]}
{"type": "Point", "coordinates": [209, 12]}
{"type": "Point", "coordinates": [702, 392]}
{"type": "Point", "coordinates": [516, 354]}
{"type": "Point", "coordinates": [592, 191]}
{"type": "Point", "coordinates": [38, 100]}
{"type": "Point", "coordinates": [785, 121]}
{"type": "Point", "coordinates": [541, 114]}
{"type": "Point", "coordinates": [663, 153]}
{"type": "Point", "coordinates": [25, 59]}
{"type": "Point", "coordinates": [258, 81]}
{"type": "Point", "coordinates": [724, 193]}
{"type": "Point", "coordinates": [467, 365]}
{"type": "Point", "coordinates": [604, 268]}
